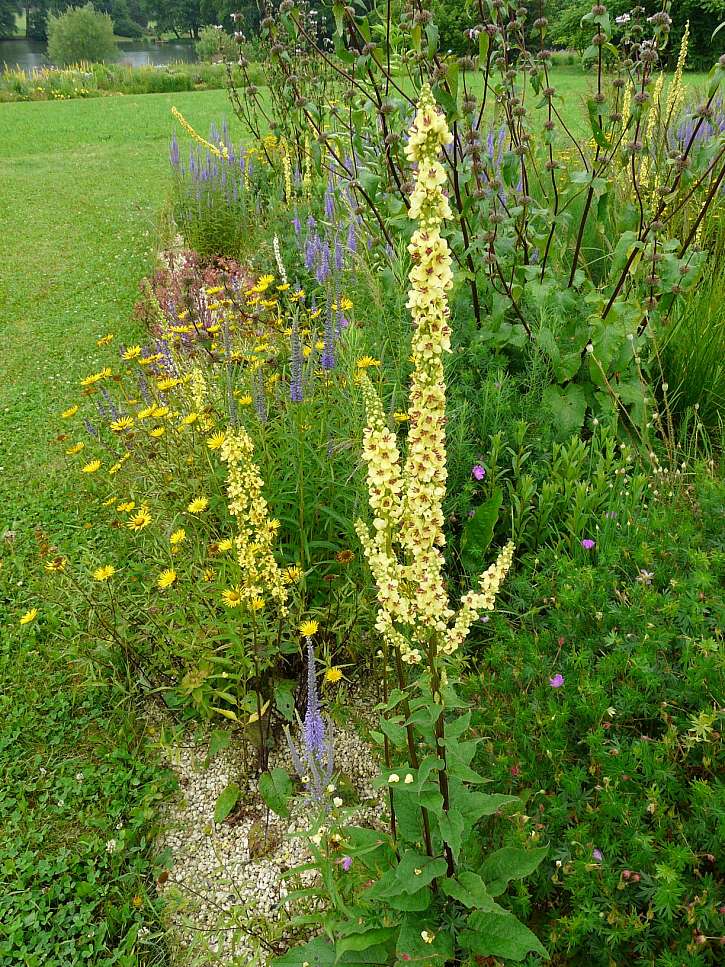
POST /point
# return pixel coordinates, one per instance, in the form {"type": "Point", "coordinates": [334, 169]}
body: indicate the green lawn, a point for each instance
{"type": "Point", "coordinates": [81, 186]}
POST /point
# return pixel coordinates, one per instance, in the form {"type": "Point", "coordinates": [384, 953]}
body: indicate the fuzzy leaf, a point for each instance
{"type": "Point", "coordinates": [226, 801]}
{"type": "Point", "coordinates": [494, 934]}
{"type": "Point", "coordinates": [276, 789]}
{"type": "Point", "coordinates": [478, 533]}
{"type": "Point", "coordinates": [510, 863]}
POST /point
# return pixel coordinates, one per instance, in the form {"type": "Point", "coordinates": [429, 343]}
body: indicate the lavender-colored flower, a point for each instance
{"type": "Point", "coordinates": [478, 472]}
{"type": "Point", "coordinates": [588, 544]}
{"type": "Point", "coordinates": [314, 762]}
{"type": "Point", "coordinates": [597, 855]}
{"type": "Point", "coordinates": [91, 429]}
{"type": "Point", "coordinates": [327, 360]}
{"type": "Point", "coordinates": [295, 388]}
{"type": "Point", "coordinates": [174, 151]}
{"type": "Point", "coordinates": [351, 238]}
{"type": "Point", "coordinates": [338, 255]}
{"type": "Point", "coordinates": [297, 224]}
{"type": "Point", "coordinates": [110, 410]}
{"type": "Point", "coordinates": [323, 266]}
{"type": "Point", "coordinates": [346, 863]}
{"type": "Point", "coordinates": [557, 681]}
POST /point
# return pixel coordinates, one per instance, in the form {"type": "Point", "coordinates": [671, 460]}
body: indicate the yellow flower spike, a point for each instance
{"type": "Point", "coordinates": [403, 548]}
{"type": "Point", "coordinates": [219, 152]}
{"type": "Point", "coordinates": [91, 467]}
{"type": "Point", "coordinates": [198, 505]}
{"type": "Point", "coordinates": [71, 411]}
{"type": "Point", "coordinates": [29, 616]}
{"type": "Point", "coordinates": [309, 628]}
{"type": "Point", "coordinates": [104, 573]}
{"type": "Point", "coordinates": [166, 579]}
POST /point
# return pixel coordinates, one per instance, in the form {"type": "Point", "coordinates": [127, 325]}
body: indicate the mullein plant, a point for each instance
{"type": "Point", "coordinates": [424, 891]}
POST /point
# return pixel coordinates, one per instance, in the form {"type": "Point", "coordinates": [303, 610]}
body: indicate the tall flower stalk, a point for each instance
{"type": "Point", "coordinates": [404, 546]}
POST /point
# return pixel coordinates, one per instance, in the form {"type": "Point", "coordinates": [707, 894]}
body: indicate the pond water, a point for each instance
{"type": "Point", "coordinates": [138, 53]}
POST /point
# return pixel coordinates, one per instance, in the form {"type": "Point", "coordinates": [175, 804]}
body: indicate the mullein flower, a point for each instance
{"type": "Point", "coordinates": [261, 576]}
{"type": "Point", "coordinates": [403, 548]}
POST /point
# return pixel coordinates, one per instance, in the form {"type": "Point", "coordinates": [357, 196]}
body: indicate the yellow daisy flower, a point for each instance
{"type": "Point", "coordinates": [309, 628]}
{"type": "Point", "coordinates": [245, 400]}
{"type": "Point", "coordinates": [104, 340]}
{"type": "Point", "coordinates": [104, 573]}
{"type": "Point", "coordinates": [133, 352]}
{"type": "Point", "coordinates": [226, 545]}
{"type": "Point", "coordinates": [158, 431]}
{"type": "Point", "coordinates": [140, 519]}
{"type": "Point", "coordinates": [178, 537]}
{"type": "Point", "coordinates": [292, 574]}
{"type": "Point", "coordinates": [333, 675]}
{"type": "Point", "coordinates": [166, 579]}
{"type": "Point", "coordinates": [232, 597]}
{"type": "Point", "coordinates": [215, 441]}
{"type": "Point", "coordinates": [400, 417]}
{"type": "Point", "coordinates": [55, 565]}
{"type": "Point", "coordinates": [256, 604]}
{"type": "Point", "coordinates": [145, 412]}
{"type": "Point", "coordinates": [365, 362]}
{"type": "Point", "coordinates": [127, 506]}
{"type": "Point", "coordinates": [29, 616]}
{"type": "Point", "coordinates": [71, 411]}
{"type": "Point", "coordinates": [76, 448]}
{"type": "Point", "coordinates": [122, 424]}
{"type": "Point", "coordinates": [197, 505]}
{"type": "Point", "coordinates": [91, 467]}
{"type": "Point", "coordinates": [190, 418]}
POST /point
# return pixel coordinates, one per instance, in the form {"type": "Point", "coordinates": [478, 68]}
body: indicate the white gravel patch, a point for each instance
{"type": "Point", "coordinates": [225, 891]}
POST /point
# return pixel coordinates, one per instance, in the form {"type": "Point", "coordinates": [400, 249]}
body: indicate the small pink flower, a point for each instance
{"type": "Point", "coordinates": [598, 855]}
{"type": "Point", "coordinates": [346, 863]}
{"type": "Point", "coordinates": [557, 681]}
{"type": "Point", "coordinates": [588, 544]}
{"type": "Point", "coordinates": [478, 472]}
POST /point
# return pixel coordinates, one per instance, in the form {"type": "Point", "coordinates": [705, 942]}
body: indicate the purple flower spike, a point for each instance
{"type": "Point", "coordinates": [478, 472]}
{"type": "Point", "coordinates": [588, 544]}
{"type": "Point", "coordinates": [557, 681]}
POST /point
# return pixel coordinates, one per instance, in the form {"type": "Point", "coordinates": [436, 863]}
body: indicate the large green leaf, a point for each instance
{"type": "Point", "coordinates": [567, 406]}
{"type": "Point", "coordinates": [276, 789]}
{"type": "Point", "coordinates": [412, 946]}
{"type": "Point", "coordinates": [226, 801]}
{"type": "Point", "coordinates": [494, 934]}
{"type": "Point", "coordinates": [478, 533]}
{"type": "Point", "coordinates": [510, 863]}
{"type": "Point", "coordinates": [470, 890]}
{"type": "Point", "coordinates": [417, 870]}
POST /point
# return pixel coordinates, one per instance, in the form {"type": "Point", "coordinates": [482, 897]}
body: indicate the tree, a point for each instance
{"type": "Point", "coordinates": [8, 10]}
{"type": "Point", "coordinates": [80, 33]}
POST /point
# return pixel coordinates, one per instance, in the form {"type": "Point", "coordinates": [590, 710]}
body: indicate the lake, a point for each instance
{"type": "Point", "coordinates": [138, 53]}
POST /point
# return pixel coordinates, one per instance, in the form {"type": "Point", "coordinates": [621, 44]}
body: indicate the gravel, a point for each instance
{"type": "Point", "coordinates": [225, 889]}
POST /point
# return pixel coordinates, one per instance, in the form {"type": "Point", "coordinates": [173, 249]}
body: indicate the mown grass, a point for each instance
{"type": "Point", "coordinates": [81, 185]}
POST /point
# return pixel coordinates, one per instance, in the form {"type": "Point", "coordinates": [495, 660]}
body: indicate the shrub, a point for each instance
{"type": "Point", "coordinates": [215, 44]}
{"type": "Point", "coordinates": [80, 34]}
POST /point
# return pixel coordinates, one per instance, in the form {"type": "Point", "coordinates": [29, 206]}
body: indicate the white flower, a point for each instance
{"type": "Point", "coordinates": [111, 846]}
{"type": "Point", "coordinates": [331, 787]}
{"type": "Point", "coordinates": [393, 777]}
{"type": "Point", "coordinates": [408, 779]}
{"type": "Point", "coordinates": [427, 936]}
{"type": "Point", "coordinates": [79, 777]}
{"type": "Point", "coordinates": [337, 802]}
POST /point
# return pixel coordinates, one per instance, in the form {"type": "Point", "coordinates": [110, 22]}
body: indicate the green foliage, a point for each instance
{"type": "Point", "coordinates": [215, 45]}
{"type": "Point", "coordinates": [618, 767]}
{"type": "Point", "coordinates": [80, 34]}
